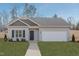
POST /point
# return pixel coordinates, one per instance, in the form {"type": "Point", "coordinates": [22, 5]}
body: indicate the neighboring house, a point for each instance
{"type": "Point", "coordinates": [39, 29]}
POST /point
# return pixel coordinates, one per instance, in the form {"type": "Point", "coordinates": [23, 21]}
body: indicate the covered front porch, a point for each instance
{"type": "Point", "coordinates": [23, 29]}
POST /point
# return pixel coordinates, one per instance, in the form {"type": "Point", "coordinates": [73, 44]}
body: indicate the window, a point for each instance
{"type": "Point", "coordinates": [23, 33]}
{"type": "Point", "coordinates": [20, 33]}
{"type": "Point", "coordinates": [12, 33]}
{"type": "Point", "coordinates": [16, 33]}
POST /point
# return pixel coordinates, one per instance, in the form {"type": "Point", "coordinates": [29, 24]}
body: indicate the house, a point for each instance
{"type": "Point", "coordinates": [39, 29]}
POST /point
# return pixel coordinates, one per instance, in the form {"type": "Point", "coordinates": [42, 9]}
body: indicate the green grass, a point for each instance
{"type": "Point", "coordinates": [13, 48]}
{"type": "Point", "coordinates": [59, 48]}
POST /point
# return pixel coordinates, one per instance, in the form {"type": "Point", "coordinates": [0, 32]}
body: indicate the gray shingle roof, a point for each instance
{"type": "Point", "coordinates": [45, 21]}
{"type": "Point", "coordinates": [50, 22]}
{"type": "Point", "coordinates": [29, 22]}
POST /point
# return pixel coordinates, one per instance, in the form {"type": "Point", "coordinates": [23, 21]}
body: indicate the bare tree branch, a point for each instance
{"type": "Point", "coordinates": [29, 10]}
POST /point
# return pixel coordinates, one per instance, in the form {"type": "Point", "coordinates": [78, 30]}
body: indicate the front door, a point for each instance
{"type": "Point", "coordinates": [31, 35]}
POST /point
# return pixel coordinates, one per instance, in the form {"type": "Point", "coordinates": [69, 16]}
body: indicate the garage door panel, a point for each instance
{"type": "Point", "coordinates": [54, 35]}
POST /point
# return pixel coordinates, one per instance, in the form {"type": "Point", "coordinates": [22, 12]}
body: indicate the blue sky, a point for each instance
{"type": "Point", "coordinates": [49, 9]}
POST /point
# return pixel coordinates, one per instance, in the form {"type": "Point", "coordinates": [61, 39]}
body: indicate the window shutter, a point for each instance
{"type": "Point", "coordinates": [12, 33]}
{"type": "Point", "coordinates": [23, 33]}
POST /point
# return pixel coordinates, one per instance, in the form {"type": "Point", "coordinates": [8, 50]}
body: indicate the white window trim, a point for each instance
{"type": "Point", "coordinates": [18, 34]}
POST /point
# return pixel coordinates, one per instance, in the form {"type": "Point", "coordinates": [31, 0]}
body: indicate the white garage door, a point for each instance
{"type": "Point", "coordinates": [54, 35]}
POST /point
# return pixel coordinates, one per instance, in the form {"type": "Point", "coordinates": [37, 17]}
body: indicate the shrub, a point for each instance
{"type": "Point", "coordinates": [10, 40]}
{"type": "Point", "coordinates": [78, 41]}
{"type": "Point", "coordinates": [17, 40]}
{"type": "Point", "coordinates": [23, 40]}
{"type": "Point", "coordinates": [73, 38]}
{"type": "Point", "coordinates": [5, 37]}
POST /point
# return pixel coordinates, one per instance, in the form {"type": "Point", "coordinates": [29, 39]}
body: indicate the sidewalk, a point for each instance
{"type": "Point", "coordinates": [33, 49]}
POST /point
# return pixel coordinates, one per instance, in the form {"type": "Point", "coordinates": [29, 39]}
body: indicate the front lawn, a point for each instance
{"type": "Point", "coordinates": [59, 48]}
{"type": "Point", "coordinates": [13, 48]}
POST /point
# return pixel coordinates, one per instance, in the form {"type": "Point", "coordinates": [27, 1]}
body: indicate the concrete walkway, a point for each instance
{"type": "Point", "coordinates": [33, 49]}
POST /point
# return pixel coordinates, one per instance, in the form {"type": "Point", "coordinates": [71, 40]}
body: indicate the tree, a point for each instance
{"type": "Point", "coordinates": [69, 19]}
{"type": "Point", "coordinates": [1, 22]}
{"type": "Point", "coordinates": [13, 12]}
{"type": "Point", "coordinates": [5, 17]}
{"type": "Point", "coordinates": [5, 37]}
{"type": "Point", "coordinates": [71, 22]}
{"type": "Point", "coordinates": [77, 26]}
{"type": "Point", "coordinates": [29, 10]}
{"type": "Point", "coordinates": [73, 38]}
{"type": "Point", "coordinates": [55, 16]}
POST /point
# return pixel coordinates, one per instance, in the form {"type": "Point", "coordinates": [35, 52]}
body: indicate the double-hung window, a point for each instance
{"type": "Point", "coordinates": [17, 33]}
{"type": "Point", "coordinates": [20, 33]}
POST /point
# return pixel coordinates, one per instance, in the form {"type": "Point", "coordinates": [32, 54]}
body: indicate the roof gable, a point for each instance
{"type": "Point", "coordinates": [17, 23]}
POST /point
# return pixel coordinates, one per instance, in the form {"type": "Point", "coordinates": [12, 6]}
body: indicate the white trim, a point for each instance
{"type": "Point", "coordinates": [12, 21]}
{"type": "Point", "coordinates": [17, 26]}
{"type": "Point", "coordinates": [33, 27]}
{"type": "Point", "coordinates": [55, 27]}
{"type": "Point", "coordinates": [17, 20]}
